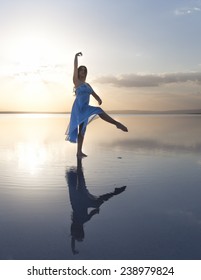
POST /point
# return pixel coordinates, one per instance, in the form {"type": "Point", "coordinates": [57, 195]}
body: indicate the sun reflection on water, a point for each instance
{"type": "Point", "coordinates": [31, 156]}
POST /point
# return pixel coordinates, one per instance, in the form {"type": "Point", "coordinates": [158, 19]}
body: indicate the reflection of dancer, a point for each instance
{"type": "Point", "coordinates": [82, 112]}
{"type": "Point", "coordinates": [81, 200]}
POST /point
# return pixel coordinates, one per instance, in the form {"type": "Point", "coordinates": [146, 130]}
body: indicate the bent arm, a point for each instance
{"type": "Point", "coordinates": [97, 97]}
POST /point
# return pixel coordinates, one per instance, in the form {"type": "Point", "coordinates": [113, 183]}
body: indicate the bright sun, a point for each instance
{"type": "Point", "coordinates": [31, 49]}
{"type": "Point", "coordinates": [30, 52]}
{"type": "Point", "coordinates": [35, 62]}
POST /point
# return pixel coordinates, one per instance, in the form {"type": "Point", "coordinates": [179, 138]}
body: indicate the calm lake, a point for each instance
{"type": "Point", "coordinates": [136, 196]}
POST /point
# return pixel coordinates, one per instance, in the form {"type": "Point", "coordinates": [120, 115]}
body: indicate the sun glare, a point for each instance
{"type": "Point", "coordinates": [30, 54]}
{"type": "Point", "coordinates": [35, 60]}
{"type": "Point", "coordinates": [31, 156]}
{"type": "Point", "coordinates": [31, 49]}
{"type": "Point", "coordinates": [34, 67]}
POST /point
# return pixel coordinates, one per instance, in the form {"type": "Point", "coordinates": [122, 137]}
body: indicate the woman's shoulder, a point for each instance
{"type": "Point", "coordinates": [82, 84]}
{"type": "Point", "coordinates": [89, 85]}
{"type": "Point", "coordinates": [78, 84]}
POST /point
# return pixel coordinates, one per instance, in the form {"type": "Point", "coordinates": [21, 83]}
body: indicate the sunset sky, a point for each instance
{"type": "Point", "coordinates": [140, 54]}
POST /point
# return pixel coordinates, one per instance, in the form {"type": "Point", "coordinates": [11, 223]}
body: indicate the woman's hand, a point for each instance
{"type": "Point", "coordinates": [99, 101]}
{"type": "Point", "coordinates": [78, 54]}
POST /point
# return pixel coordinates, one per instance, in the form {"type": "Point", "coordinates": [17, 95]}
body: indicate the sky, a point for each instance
{"type": "Point", "coordinates": [140, 54]}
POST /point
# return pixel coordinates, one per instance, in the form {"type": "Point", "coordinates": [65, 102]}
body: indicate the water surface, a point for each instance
{"type": "Point", "coordinates": [53, 207]}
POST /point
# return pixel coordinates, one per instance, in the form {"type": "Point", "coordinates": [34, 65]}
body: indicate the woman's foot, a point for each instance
{"type": "Point", "coordinates": [81, 155]}
{"type": "Point", "coordinates": [121, 126]}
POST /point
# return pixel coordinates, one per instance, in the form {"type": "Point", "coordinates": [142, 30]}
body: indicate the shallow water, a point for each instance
{"type": "Point", "coordinates": [51, 207]}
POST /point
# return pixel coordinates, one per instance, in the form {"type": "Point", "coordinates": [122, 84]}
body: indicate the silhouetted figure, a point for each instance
{"type": "Point", "coordinates": [81, 200]}
{"type": "Point", "coordinates": [82, 112]}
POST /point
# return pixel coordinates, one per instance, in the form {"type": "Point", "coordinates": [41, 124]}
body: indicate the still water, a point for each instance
{"type": "Point", "coordinates": [136, 196]}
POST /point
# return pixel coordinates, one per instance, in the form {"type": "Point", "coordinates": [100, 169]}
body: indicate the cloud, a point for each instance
{"type": "Point", "coordinates": [151, 80]}
{"type": "Point", "coordinates": [27, 73]}
{"type": "Point", "coordinates": [186, 11]}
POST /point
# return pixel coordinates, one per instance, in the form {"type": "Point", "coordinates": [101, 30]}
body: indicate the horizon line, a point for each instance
{"type": "Point", "coordinates": [187, 111]}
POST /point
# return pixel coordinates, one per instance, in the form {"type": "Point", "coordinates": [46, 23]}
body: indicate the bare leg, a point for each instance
{"type": "Point", "coordinates": [109, 119]}
{"type": "Point", "coordinates": [80, 143]}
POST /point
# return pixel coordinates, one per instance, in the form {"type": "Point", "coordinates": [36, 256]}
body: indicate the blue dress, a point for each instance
{"type": "Point", "coordinates": [81, 112]}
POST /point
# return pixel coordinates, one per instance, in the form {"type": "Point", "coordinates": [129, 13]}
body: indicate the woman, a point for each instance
{"type": "Point", "coordinates": [82, 112]}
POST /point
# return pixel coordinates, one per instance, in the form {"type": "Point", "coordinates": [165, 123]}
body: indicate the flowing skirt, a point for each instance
{"type": "Point", "coordinates": [80, 115]}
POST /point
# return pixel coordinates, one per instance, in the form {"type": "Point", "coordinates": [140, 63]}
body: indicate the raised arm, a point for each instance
{"type": "Point", "coordinates": [75, 73]}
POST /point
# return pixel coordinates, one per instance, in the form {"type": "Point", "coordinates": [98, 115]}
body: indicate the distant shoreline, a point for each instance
{"type": "Point", "coordinates": [123, 112]}
{"type": "Point", "coordinates": [22, 112]}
